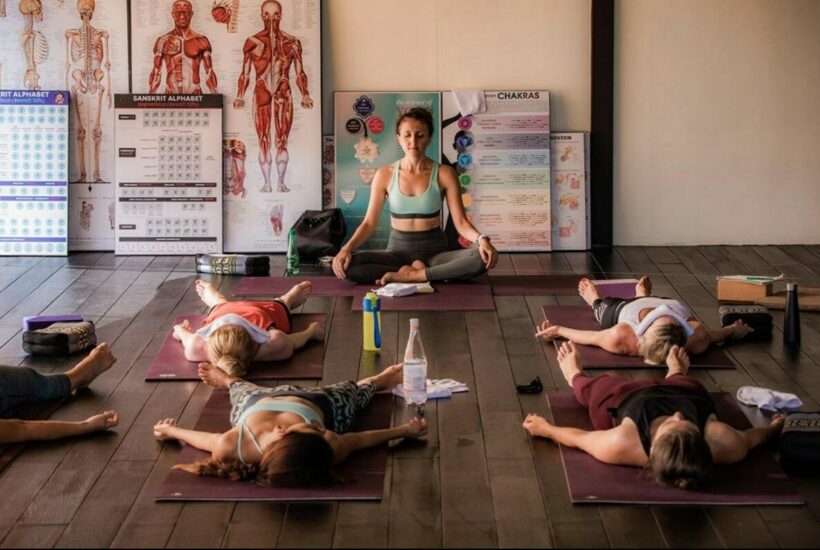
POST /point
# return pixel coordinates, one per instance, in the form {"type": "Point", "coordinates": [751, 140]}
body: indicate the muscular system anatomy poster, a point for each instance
{"type": "Point", "coordinates": [502, 158]}
{"type": "Point", "coordinates": [264, 57]}
{"type": "Point", "coordinates": [80, 46]}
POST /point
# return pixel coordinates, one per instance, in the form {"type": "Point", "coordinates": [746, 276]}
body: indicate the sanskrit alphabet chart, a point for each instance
{"type": "Point", "coordinates": [33, 173]}
{"type": "Point", "coordinates": [169, 174]}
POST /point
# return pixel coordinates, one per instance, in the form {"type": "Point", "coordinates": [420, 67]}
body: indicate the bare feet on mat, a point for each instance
{"type": "Point", "coordinates": [536, 425]}
{"type": "Point", "coordinates": [405, 274]}
{"type": "Point", "coordinates": [208, 292]}
{"type": "Point", "coordinates": [588, 291]}
{"type": "Point", "coordinates": [102, 421]}
{"type": "Point", "coordinates": [214, 376]}
{"type": "Point", "coordinates": [644, 287]}
{"type": "Point", "coordinates": [677, 361]}
{"type": "Point", "coordinates": [569, 359]}
{"type": "Point", "coordinates": [297, 295]}
{"type": "Point", "coordinates": [317, 331]}
{"type": "Point", "coordinates": [99, 360]}
{"type": "Point", "coordinates": [387, 379]}
{"type": "Point", "coordinates": [162, 428]}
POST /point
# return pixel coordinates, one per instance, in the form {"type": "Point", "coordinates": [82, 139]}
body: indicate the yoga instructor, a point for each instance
{"type": "Point", "coordinates": [415, 188]}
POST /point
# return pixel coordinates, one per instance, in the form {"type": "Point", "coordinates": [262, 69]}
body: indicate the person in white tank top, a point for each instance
{"type": "Point", "coordinates": [645, 326]}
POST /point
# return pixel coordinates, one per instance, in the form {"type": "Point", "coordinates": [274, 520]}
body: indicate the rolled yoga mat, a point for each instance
{"type": "Point", "coordinates": [276, 286]}
{"type": "Point", "coordinates": [306, 363]}
{"type": "Point", "coordinates": [593, 357]}
{"type": "Point", "coordinates": [468, 296]}
{"type": "Point", "coordinates": [757, 480]}
{"type": "Point", "coordinates": [362, 472]}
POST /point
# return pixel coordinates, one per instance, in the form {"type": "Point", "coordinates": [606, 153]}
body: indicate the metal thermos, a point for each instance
{"type": "Point", "coordinates": [791, 321]}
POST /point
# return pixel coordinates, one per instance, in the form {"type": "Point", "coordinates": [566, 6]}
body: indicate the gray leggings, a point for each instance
{"type": "Point", "coordinates": [22, 386]}
{"type": "Point", "coordinates": [404, 247]}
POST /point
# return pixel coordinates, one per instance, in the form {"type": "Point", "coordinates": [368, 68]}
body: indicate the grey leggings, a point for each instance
{"type": "Point", "coordinates": [21, 386]}
{"type": "Point", "coordinates": [404, 247]}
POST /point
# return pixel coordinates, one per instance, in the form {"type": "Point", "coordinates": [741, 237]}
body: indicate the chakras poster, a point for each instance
{"type": "Point", "coordinates": [33, 173]}
{"type": "Point", "coordinates": [502, 159]}
{"type": "Point", "coordinates": [264, 57]}
{"type": "Point", "coordinates": [570, 191]}
{"type": "Point", "coordinates": [79, 46]}
{"type": "Point", "coordinates": [365, 130]}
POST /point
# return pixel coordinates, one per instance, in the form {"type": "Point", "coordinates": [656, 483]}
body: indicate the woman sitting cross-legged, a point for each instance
{"type": "Point", "coordinates": [645, 326]}
{"type": "Point", "coordinates": [235, 333]}
{"type": "Point", "coordinates": [667, 425]}
{"type": "Point", "coordinates": [287, 435]}
{"type": "Point", "coordinates": [23, 386]}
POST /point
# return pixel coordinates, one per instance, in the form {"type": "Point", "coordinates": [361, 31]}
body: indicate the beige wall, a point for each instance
{"type": "Point", "coordinates": [717, 122]}
{"type": "Point", "coordinates": [420, 45]}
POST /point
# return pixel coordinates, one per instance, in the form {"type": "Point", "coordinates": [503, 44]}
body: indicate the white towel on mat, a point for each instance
{"type": "Point", "coordinates": [437, 389]}
{"type": "Point", "coordinates": [768, 400]}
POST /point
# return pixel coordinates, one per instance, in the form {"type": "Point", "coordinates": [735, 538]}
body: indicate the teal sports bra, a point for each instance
{"type": "Point", "coordinates": [304, 411]}
{"type": "Point", "coordinates": [426, 205]}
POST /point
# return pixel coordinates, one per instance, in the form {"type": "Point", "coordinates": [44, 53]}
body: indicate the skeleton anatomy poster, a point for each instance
{"type": "Point", "coordinates": [264, 57]}
{"type": "Point", "coordinates": [80, 46]}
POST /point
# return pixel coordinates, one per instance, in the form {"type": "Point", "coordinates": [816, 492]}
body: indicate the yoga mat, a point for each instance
{"type": "Point", "coordinates": [276, 286]}
{"type": "Point", "coordinates": [593, 357]}
{"type": "Point", "coordinates": [807, 298]}
{"type": "Point", "coordinates": [33, 411]}
{"type": "Point", "coordinates": [306, 363]}
{"type": "Point", "coordinates": [468, 296]}
{"type": "Point", "coordinates": [757, 480]}
{"type": "Point", "coordinates": [616, 288]}
{"type": "Point", "coordinates": [363, 472]}
{"type": "Point", "coordinates": [547, 284]}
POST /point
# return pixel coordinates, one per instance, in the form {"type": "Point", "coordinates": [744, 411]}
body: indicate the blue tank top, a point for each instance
{"type": "Point", "coordinates": [426, 205]}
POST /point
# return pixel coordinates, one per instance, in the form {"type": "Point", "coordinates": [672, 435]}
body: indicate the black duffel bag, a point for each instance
{"type": "Point", "coordinates": [320, 233]}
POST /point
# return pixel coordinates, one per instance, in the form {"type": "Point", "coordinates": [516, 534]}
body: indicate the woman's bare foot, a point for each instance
{"type": "Point", "coordinates": [99, 360]}
{"type": "Point", "coordinates": [677, 361]}
{"type": "Point", "coordinates": [644, 287]}
{"type": "Point", "coordinates": [162, 428]}
{"type": "Point", "coordinates": [537, 425]}
{"type": "Point", "coordinates": [406, 274]}
{"type": "Point", "coordinates": [214, 376]}
{"type": "Point", "coordinates": [297, 295]}
{"type": "Point", "coordinates": [102, 421]}
{"type": "Point", "coordinates": [569, 359]}
{"type": "Point", "coordinates": [387, 379]}
{"type": "Point", "coordinates": [208, 292]}
{"type": "Point", "coordinates": [588, 291]}
{"type": "Point", "coordinates": [317, 331]}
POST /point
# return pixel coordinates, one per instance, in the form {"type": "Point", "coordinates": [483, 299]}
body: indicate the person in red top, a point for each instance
{"type": "Point", "coordinates": [236, 333]}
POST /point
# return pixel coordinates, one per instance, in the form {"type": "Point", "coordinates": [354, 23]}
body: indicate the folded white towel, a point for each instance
{"type": "Point", "coordinates": [768, 400]}
{"type": "Point", "coordinates": [437, 389]}
{"type": "Point", "coordinates": [257, 334]}
{"type": "Point", "coordinates": [395, 290]}
{"type": "Point", "coordinates": [470, 101]}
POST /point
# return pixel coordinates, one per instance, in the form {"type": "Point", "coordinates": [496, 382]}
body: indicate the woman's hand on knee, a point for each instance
{"type": "Point", "coordinates": [488, 253]}
{"type": "Point", "coordinates": [340, 263]}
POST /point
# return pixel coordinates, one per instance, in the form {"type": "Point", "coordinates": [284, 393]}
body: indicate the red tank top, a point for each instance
{"type": "Point", "coordinates": [265, 315]}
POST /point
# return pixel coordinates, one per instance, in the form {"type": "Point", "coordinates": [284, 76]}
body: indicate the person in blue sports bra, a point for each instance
{"type": "Point", "coordinates": [287, 435]}
{"type": "Point", "coordinates": [414, 188]}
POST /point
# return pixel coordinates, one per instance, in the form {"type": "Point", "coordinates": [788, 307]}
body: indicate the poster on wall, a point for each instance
{"type": "Point", "coordinates": [33, 173]}
{"type": "Point", "coordinates": [570, 190]}
{"type": "Point", "coordinates": [80, 46]}
{"type": "Point", "coordinates": [169, 174]}
{"type": "Point", "coordinates": [502, 159]}
{"type": "Point", "coordinates": [365, 130]}
{"type": "Point", "coordinates": [264, 57]}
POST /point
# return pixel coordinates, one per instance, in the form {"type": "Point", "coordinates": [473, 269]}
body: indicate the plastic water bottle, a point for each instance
{"type": "Point", "coordinates": [293, 253]}
{"type": "Point", "coordinates": [371, 322]}
{"type": "Point", "coordinates": [414, 383]}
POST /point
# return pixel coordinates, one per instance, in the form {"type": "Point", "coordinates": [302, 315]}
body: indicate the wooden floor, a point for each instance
{"type": "Point", "coordinates": [479, 480]}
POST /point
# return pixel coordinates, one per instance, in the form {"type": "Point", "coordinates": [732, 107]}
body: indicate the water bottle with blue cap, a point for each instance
{"type": "Point", "coordinates": [371, 307]}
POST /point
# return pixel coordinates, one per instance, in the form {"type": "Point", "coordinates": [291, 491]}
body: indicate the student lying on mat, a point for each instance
{"type": "Point", "coordinates": [286, 435]}
{"type": "Point", "coordinates": [665, 425]}
{"type": "Point", "coordinates": [644, 326]}
{"type": "Point", "coordinates": [414, 187]}
{"type": "Point", "coordinates": [23, 386]}
{"type": "Point", "coordinates": [236, 333]}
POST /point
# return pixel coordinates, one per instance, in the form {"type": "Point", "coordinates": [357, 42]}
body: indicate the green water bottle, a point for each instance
{"type": "Point", "coordinates": [293, 254]}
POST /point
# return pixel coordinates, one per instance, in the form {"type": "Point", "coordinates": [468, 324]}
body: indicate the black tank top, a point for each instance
{"type": "Point", "coordinates": [647, 404]}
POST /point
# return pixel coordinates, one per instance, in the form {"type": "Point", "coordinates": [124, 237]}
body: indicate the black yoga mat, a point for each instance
{"type": "Point", "coordinates": [362, 472]}
{"type": "Point", "coordinates": [469, 296]}
{"type": "Point", "coordinates": [306, 363]}
{"type": "Point", "coordinates": [593, 357]}
{"type": "Point", "coordinates": [757, 480]}
{"type": "Point", "coordinates": [276, 286]}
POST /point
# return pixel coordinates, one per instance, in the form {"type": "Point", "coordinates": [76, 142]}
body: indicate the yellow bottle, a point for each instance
{"type": "Point", "coordinates": [371, 332]}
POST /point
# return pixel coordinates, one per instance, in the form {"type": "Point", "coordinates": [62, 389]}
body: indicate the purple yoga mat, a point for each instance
{"type": "Point", "coordinates": [757, 480]}
{"type": "Point", "coordinates": [470, 296]}
{"type": "Point", "coordinates": [547, 284]}
{"type": "Point", "coordinates": [306, 363]}
{"type": "Point", "coordinates": [581, 317]}
{"type": "Point", "coordinates": [276, 286]}
{"type": "Point", "coordinates": [616, 288]}
{"type": "Point", "coordinates": [363, 472]}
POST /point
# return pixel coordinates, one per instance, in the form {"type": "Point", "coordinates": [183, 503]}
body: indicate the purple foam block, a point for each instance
{"type": "Point", "coordinates": [42, 321]}
{"type": "Point", "coordinates": [616, 288]}
{"type": "Point", "coordinates": [757, 480]}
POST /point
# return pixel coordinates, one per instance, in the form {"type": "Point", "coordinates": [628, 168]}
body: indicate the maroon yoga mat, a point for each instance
{"type": "Point", "coordinates": [468, 296]}
{"type": "Point", "coordinates": [616, 288]}
{"type": "Point", "coordinates": [276, 286]}
{"type": "Point", "coordinates": [547, 284]}
{"type": "Point", "coordinates": [581, 317]}
{"type": "Point", "coordinates": [363, 472]}
{"type": "Point", "coordinates": [758, 480]}
{"type": "Point", "coordinates": [306, 363]}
